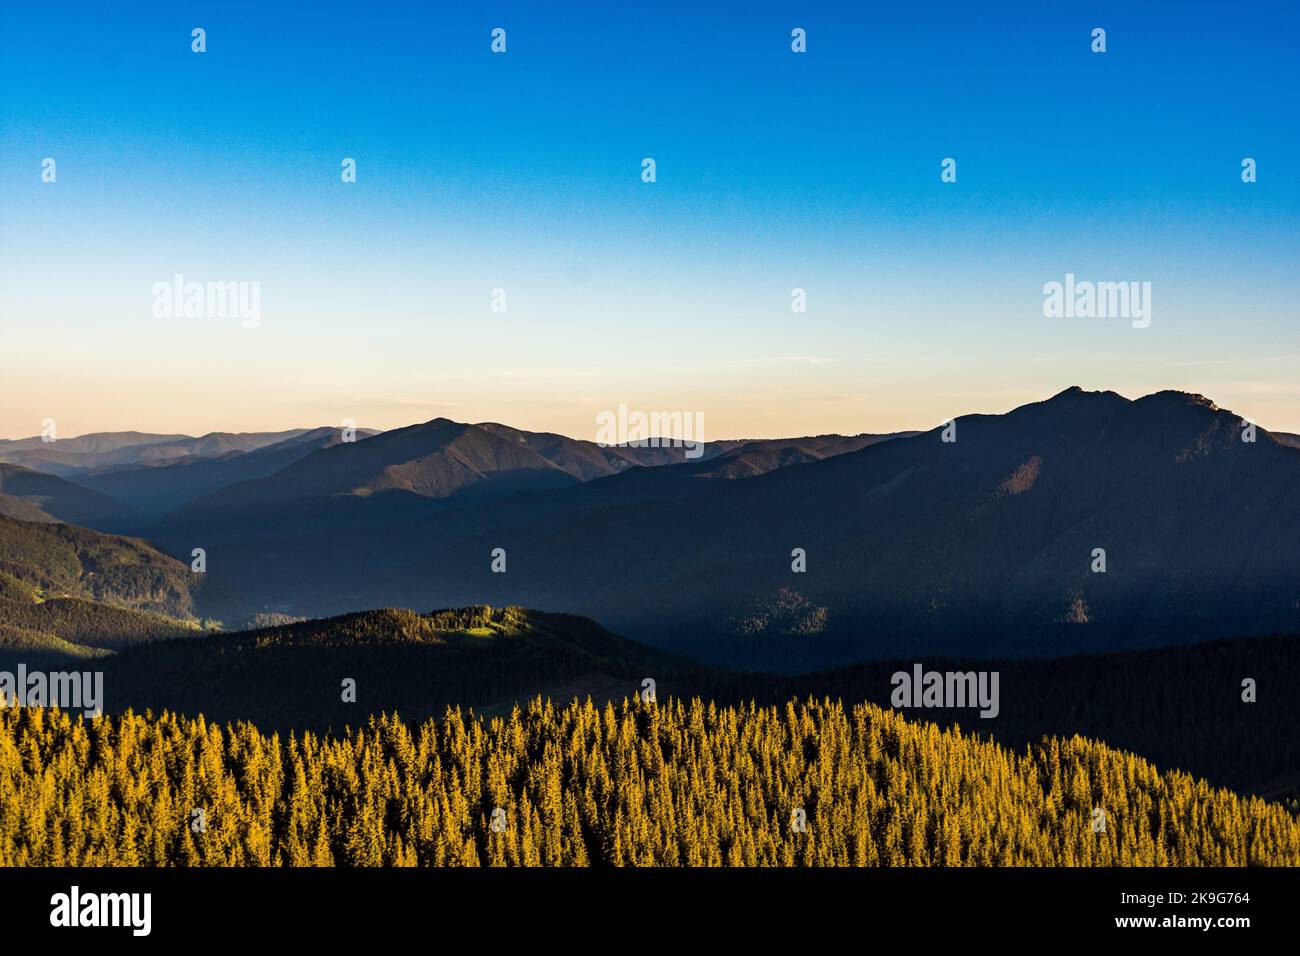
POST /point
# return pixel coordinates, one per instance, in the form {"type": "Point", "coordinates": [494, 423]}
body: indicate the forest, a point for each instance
{"type": "Point", "coordinates": [641, 783]}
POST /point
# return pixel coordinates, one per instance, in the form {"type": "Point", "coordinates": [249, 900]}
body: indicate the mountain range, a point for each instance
{"type": "Point", "coordinates": [72, 456]}
{"type": "Point", "coordinates": [992, 543]}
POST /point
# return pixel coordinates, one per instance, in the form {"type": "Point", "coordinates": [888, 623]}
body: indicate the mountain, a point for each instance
{"type": "Point", "coordinates": [71, 591]}
{"type": "Point", "coordinates": [164, 485]}
{"type": "Point", "coordinates": [913, 545]}
{"type": "Point", "coordinates": [917, 545]}
{"type": "Point", "coordinates": [442, 459]}
{"type": "Point", "coordinates": [35, 496]}
{"type": "Point", "coordinates": [55, 629]}
{"type": "Point", "coordinates": [58, 560]}
{"type": "Point", "coordinates": [70, 457]}
{"type": "Point", "coordinates": [96, 443]}
{"type": "Point", "coordinates": [751, 458]}
{"type": "Point", "coordinates": [437, 459]}
{"type": "Point", "coordinates": [67, 456]}
{"type": "Point", "coordinates": [290, 676]}
{"type": "Point", "coordinates": [587, 460]}
{"type": "Point", "coordinates": [583, 460]}
{"type": "Point", "coordinates": [343, 502]}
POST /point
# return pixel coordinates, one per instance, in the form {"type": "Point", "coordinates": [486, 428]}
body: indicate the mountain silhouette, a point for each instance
{"type": "Point", "coordinates": [1084, 522]}
{"type": "Point", "coordinates": [984, 544]}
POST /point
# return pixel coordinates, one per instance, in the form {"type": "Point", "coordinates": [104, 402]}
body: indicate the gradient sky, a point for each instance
{"type": "Point", "coordinates": [522, 171]}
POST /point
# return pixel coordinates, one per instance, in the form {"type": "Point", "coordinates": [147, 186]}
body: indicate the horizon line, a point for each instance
{"type": "Point", "coordinates": [179, 436]}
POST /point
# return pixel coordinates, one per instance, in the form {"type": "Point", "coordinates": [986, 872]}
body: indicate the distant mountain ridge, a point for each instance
{"type": "Point", "coordinates": [67, 457]}
{"type": "Point", "coordinates": [441, 459]}
{"type": "Point", "coordinates": [35, 496]}
{"type": "Point", "coordinates": [914, 544]}
{"type": "Point", "coordinates": [435, 459]}
{"type": "Point", "coordinates": [149, 475]}
{"type": "Point", "coordinates": [793, 554]}
{"type": "Point", "coordinates": [162, 486]}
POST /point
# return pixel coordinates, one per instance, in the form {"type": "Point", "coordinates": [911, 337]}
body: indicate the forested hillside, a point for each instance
{"type": "Point", "coordinates": [289, 677]}
{"type": "Point", "coordinates": [646, 784]}
{"type": "Point", "coordinates": [71, 592]}
{"type": "Point", "coordinates": [61, 560]}
{"type": "Point", "coordinates": [1180, 707]}
{"type": "Point", "coordinates": [86, 624]}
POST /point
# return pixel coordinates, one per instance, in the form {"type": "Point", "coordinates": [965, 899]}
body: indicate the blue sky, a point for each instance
{"type": "Point", "coordinates": [521, 171]}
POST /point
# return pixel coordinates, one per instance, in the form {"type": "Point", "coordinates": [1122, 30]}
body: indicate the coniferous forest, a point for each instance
{"type": "Point", "coordinates": [629, 783]}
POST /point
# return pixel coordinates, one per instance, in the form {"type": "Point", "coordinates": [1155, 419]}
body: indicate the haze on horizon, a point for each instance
{"type": "Point", "coordinates": [775, 171]}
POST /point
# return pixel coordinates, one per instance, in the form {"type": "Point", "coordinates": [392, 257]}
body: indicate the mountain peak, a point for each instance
{"type": "Point", "coordinates": [1176, 397]}
{"type": "Point", "coordinates": [1072, 401]}
{"type": "Point", "coordinates": [1076, 393]}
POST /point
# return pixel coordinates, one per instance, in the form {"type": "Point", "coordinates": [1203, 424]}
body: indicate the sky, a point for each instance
{"type": "Point", "coordinates": [522, 171]}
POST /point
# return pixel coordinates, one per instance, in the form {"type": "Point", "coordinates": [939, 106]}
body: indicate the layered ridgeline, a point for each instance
{"type": "Point", "coordinates": [416, 467]}
{"type": "Point", "coordinates": [69, 457]}
{"type": "Point", "coordinates": [124, 481]}
{"type": "Point", "coordinates": [70, 592]}
{"type": "Point", "coordinates": [29, 495]}
{"type": "Point", "coordinates": [1085, 522]}
{"type": "Point", "coordinates": [155, 487]}
{"type": "Point", "coordinates": [633, 784]}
